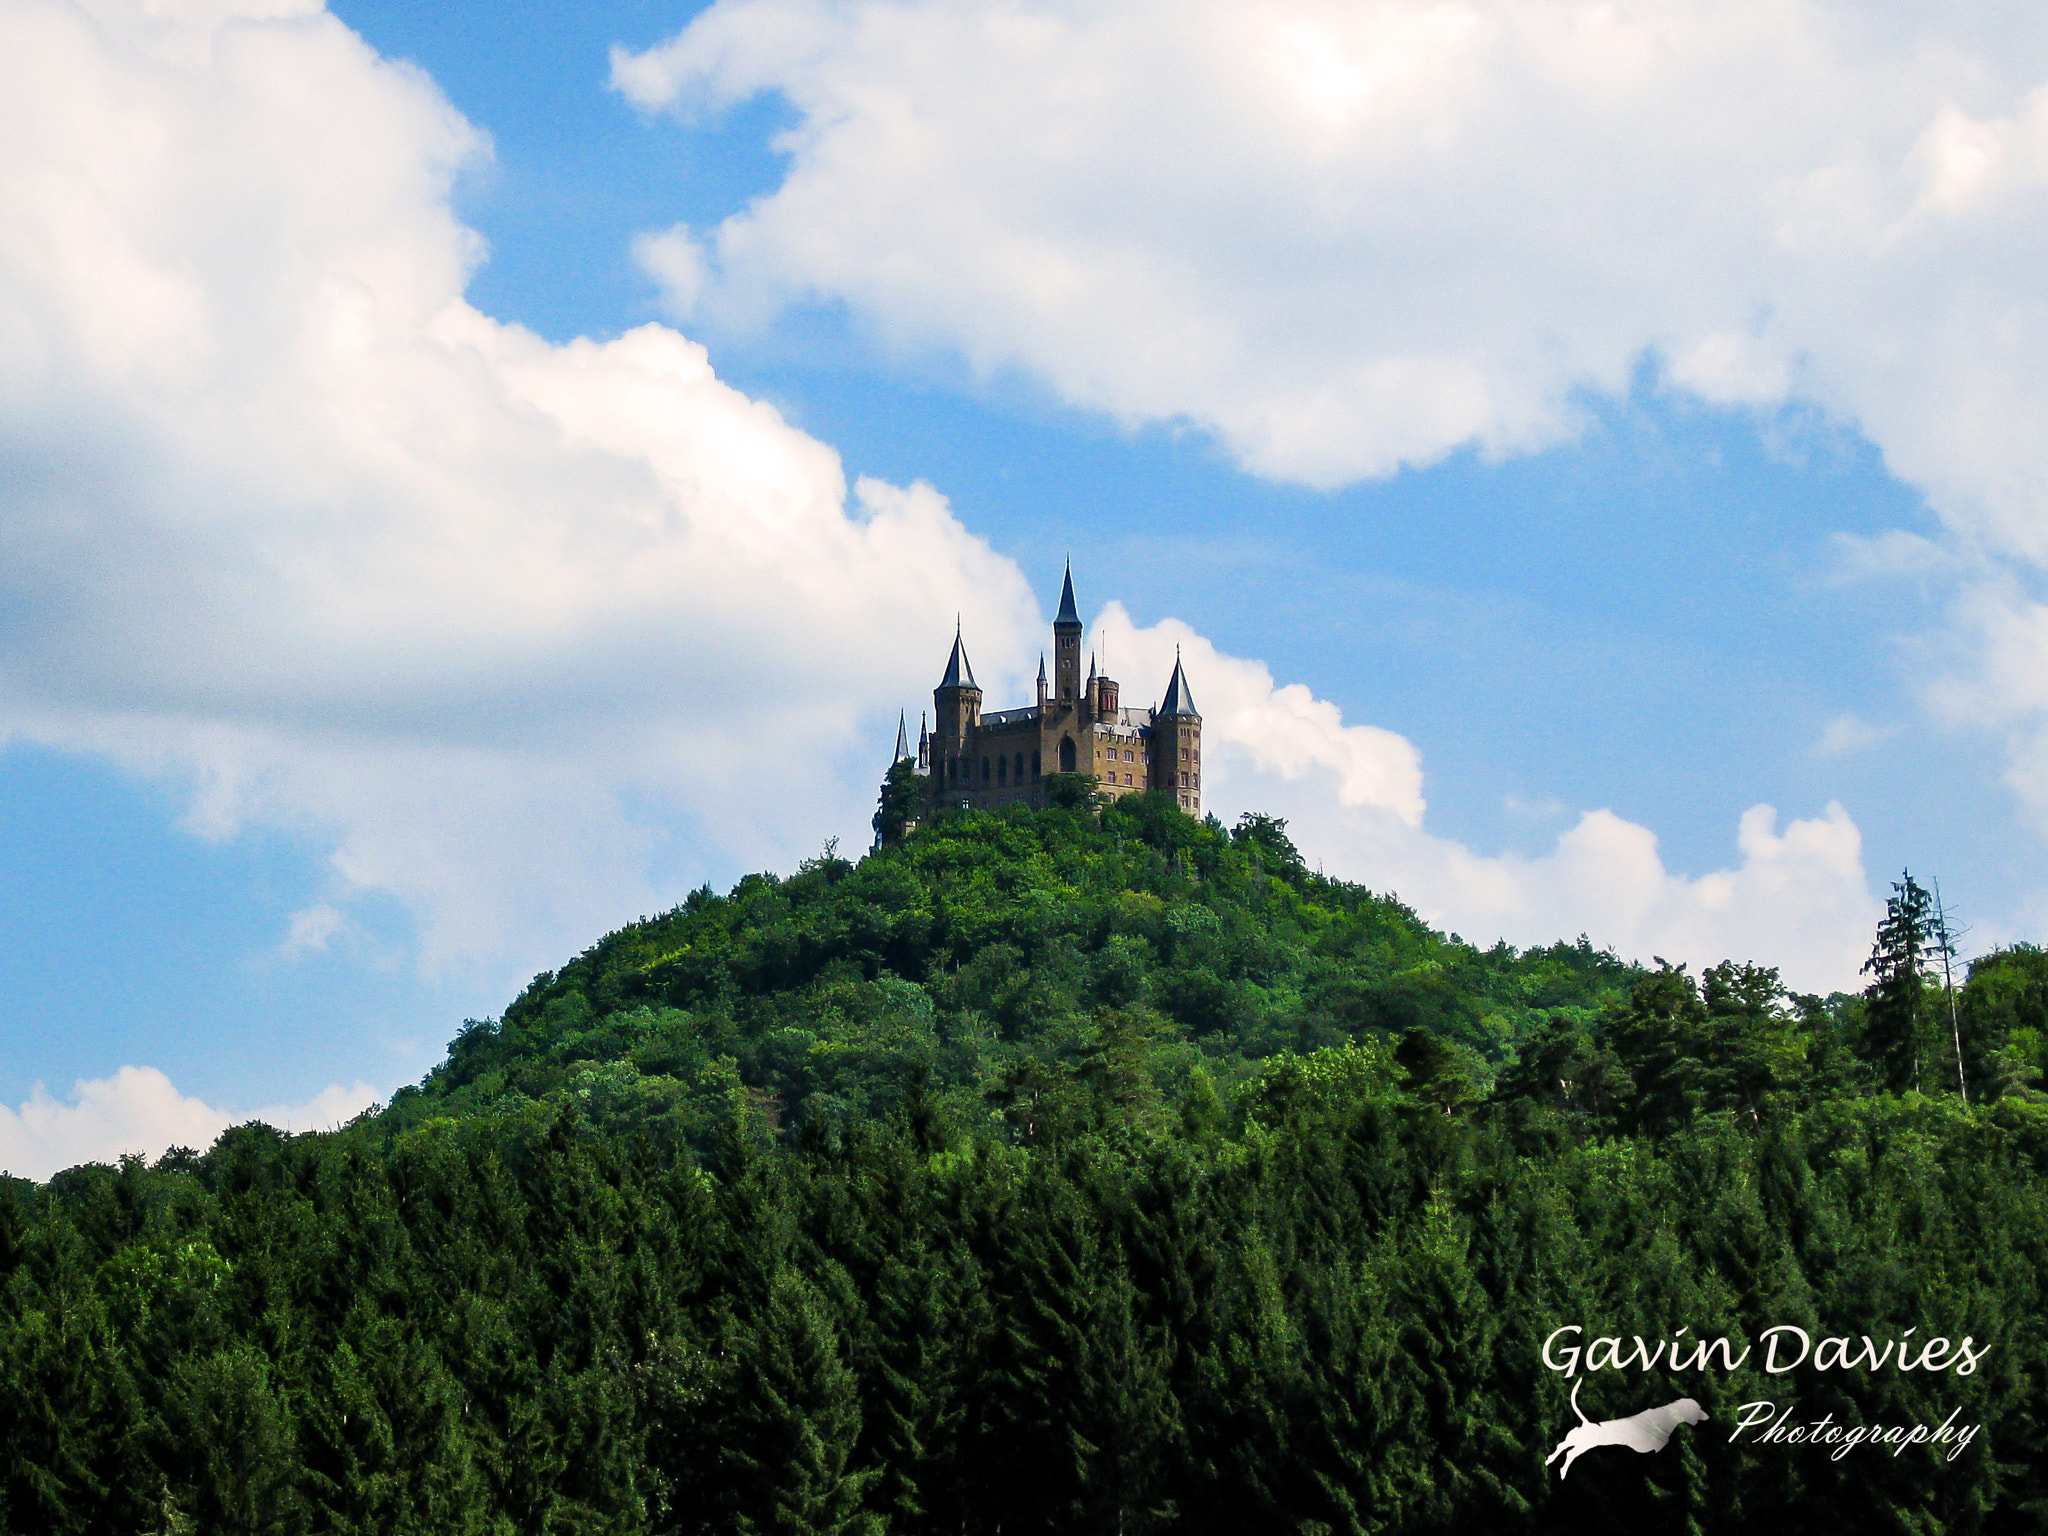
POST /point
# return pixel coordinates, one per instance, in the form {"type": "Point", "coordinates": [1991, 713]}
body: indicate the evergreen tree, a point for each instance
{"type": "Point", "coordinates": [1897, 1011]}
{"type": "Point", "coordinates": [902, 798]}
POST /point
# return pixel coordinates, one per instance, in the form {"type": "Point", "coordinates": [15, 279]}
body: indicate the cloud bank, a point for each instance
{"type": "Point", "coordinates": [286, 515]}
{"type": "Point", "coordinates": [505, 624]}
{"type": "Point", "coordinates": [138, 1110]}
{"type": "Point", "coordinates": [1349, 237]}
{"type": "Point", "coordinates": [1798, 899]}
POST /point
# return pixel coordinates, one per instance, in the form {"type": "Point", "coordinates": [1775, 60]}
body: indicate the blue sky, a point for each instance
{"type": "Point", "coordinates": [1543, 465]}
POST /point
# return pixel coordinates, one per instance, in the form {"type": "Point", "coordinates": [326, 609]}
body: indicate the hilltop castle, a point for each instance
{"type": "Point", "coordinates": [970, 759]}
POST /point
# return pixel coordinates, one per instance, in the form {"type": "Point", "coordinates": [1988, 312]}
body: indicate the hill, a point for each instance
{"type": "Point", "coordinates": [1006, 962]}
{"type": "Point", "coordinates": [1064, 1171]}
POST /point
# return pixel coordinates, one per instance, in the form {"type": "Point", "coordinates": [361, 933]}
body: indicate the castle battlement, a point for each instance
{"type": "Point", "coordinates": [970, 759]}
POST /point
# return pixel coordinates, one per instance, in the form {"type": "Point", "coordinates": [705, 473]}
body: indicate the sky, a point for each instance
{"type": "Point", "coordinates": [471, 474]}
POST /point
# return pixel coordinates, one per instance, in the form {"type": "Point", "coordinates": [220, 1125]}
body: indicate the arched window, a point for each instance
{"type": "Point", "coordinates": [1020, 767]}
{"type": "Point", "coordinates": [1002, 770]}
{"type": "Point", "coordinates": [984, 770]}
{"type": "Point", "coordinates": [1066, 754]}
{"type": "Point", "coordinates": [1034, 766]}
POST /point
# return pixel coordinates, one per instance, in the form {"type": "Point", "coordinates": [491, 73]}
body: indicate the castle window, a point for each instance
{"type": "Point", "coordinates": [984, 770]}
{"type": "Point", "coordinates": [1020, 768]}
{"type": "Point", "coordinates": [1034, 765]}
{"type": "Point", "coordinates": [1066, 754]}
{"type": "Point", "coordinates": [1002, 770]}
{"type": "Point", "coordinates": [1127, 778]}
{"type": "Point", "coordinates": [1183, 781]}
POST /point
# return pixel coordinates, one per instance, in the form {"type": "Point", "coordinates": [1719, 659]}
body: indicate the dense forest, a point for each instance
{"type": "Point", "coordinates": [1085, 1169]}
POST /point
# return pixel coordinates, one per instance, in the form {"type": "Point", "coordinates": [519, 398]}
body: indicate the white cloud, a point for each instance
{"type": "Point", "coordinates": [1846, 734]}
{"type": "Point", "coordinates": [495, 618]}
{"type": "Point", "coordinates": [282, 514]}
{"type": "Point", "coordinates": [1797, 899]}
{"type": "Point", "coordinates": [312, 928]}
{"type": "Point", "coordinates": [140, 1110]}
{"type": "Point", "coordinates": [1349, 237]}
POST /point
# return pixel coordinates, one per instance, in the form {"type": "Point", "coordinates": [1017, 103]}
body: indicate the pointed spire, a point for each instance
{"type": "Point", "coordinates": [1179, 699]}
{"type": "Point", "coordinates": [1041, 666]}
{"type": "Point", "coordinates": [1091, 666]}
{"type": "Point", "coordinates": [959, 672]}
{"type": "Point", "coordinates": [1068, 613]}
{"type": "Point", "coordinates": [902, 737]}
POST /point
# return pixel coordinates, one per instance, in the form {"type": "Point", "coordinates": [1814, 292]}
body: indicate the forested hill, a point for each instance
{"type": "Point", "coordinates": [1066, 968]}
{"type": "Point", "coordinates": [1014, 963]}
{"type": "Point", "coordinates": [1062, 1172]}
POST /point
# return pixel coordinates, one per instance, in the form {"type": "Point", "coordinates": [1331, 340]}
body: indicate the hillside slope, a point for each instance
{"type": "Point", "coordinates": [1005, 961]}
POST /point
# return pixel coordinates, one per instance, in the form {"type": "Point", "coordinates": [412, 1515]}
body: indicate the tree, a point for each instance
{"type": "Point", "coordinates": [1896, 1005]}
{"type": "Point", "coordinates": [902, 790]}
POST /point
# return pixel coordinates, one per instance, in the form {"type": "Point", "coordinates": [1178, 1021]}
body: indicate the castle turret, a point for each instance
{"type": "Point", "coordinates": [1177, 743]}
{"type": "Point", "coordinates": [1066, 644]}
{"type": "Point", "coordinates": [957, 706]}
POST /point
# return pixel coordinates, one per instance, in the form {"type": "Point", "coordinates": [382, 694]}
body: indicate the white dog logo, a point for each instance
{"type": "Point", "coordinates": [1645, 1431]}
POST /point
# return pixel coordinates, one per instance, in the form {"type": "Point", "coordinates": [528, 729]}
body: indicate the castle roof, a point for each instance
{"type": "Point", "coordinates": [959, 672]}
{"type": "Point", "coordinates": [1179, 700]}
{"type": "Point", "coordinates": [1068, 613]}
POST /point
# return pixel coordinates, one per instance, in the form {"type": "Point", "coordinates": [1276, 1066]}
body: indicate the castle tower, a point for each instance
{"type": "Point", "coordinates": [1066, 645]}
{"type": "Point", "coordinates": [1177, 743]}
{"type": "Point", "coordinates": [957, 704]}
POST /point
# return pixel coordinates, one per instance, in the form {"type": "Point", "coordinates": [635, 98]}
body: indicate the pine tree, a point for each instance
{"type": "Point", "coordinates": [1895, 1003]}
{"type": "Point", "coordinates": [902, 789]}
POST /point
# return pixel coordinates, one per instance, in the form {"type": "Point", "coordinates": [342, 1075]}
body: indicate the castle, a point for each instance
{"type": "Point", "coordinates": [973, 760]}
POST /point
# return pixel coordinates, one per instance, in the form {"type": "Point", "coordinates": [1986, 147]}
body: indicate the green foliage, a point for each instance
{"type": "Point", "coordinates": [1079, 1170]}
{"type": "Point", "coordinates": [1055, 967]}
{"type": "Point", "coordinates": [903, 794]}
{"type": "Point", "coordinates": [1902, 1003]}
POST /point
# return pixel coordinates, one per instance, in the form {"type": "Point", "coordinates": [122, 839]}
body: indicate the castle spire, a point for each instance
{"type": "Point", "coordinates": [902, 738]}
{"type": "Point", "coordinates": [1179, 699]}
{"type": "Point", "coordinates": [1068, 613]}
{"type": "Point", "coordinates": [959, 671]}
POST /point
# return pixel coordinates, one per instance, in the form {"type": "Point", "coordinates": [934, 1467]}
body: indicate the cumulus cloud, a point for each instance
{"type": "Point", "coordinates": [1349, 237]}
{"type": "Point", "coordinates": [286, 516]}
{"type": "Point", "coordinates": [1797, 898]}
{"type": "Point", "coordinates": [1345, 238]}
{"type": "Point", "coordinates": [139, 1110]}
{"type": "Point", "coordinates": [497, 620]}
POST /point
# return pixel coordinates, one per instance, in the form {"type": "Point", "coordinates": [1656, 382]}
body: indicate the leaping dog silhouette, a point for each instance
{"type": "Point", "coordinates": [1649, 1430]}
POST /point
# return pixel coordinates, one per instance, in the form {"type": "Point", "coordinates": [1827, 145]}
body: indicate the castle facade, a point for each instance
{"type": "Point", "coordinates": [975, 760]}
